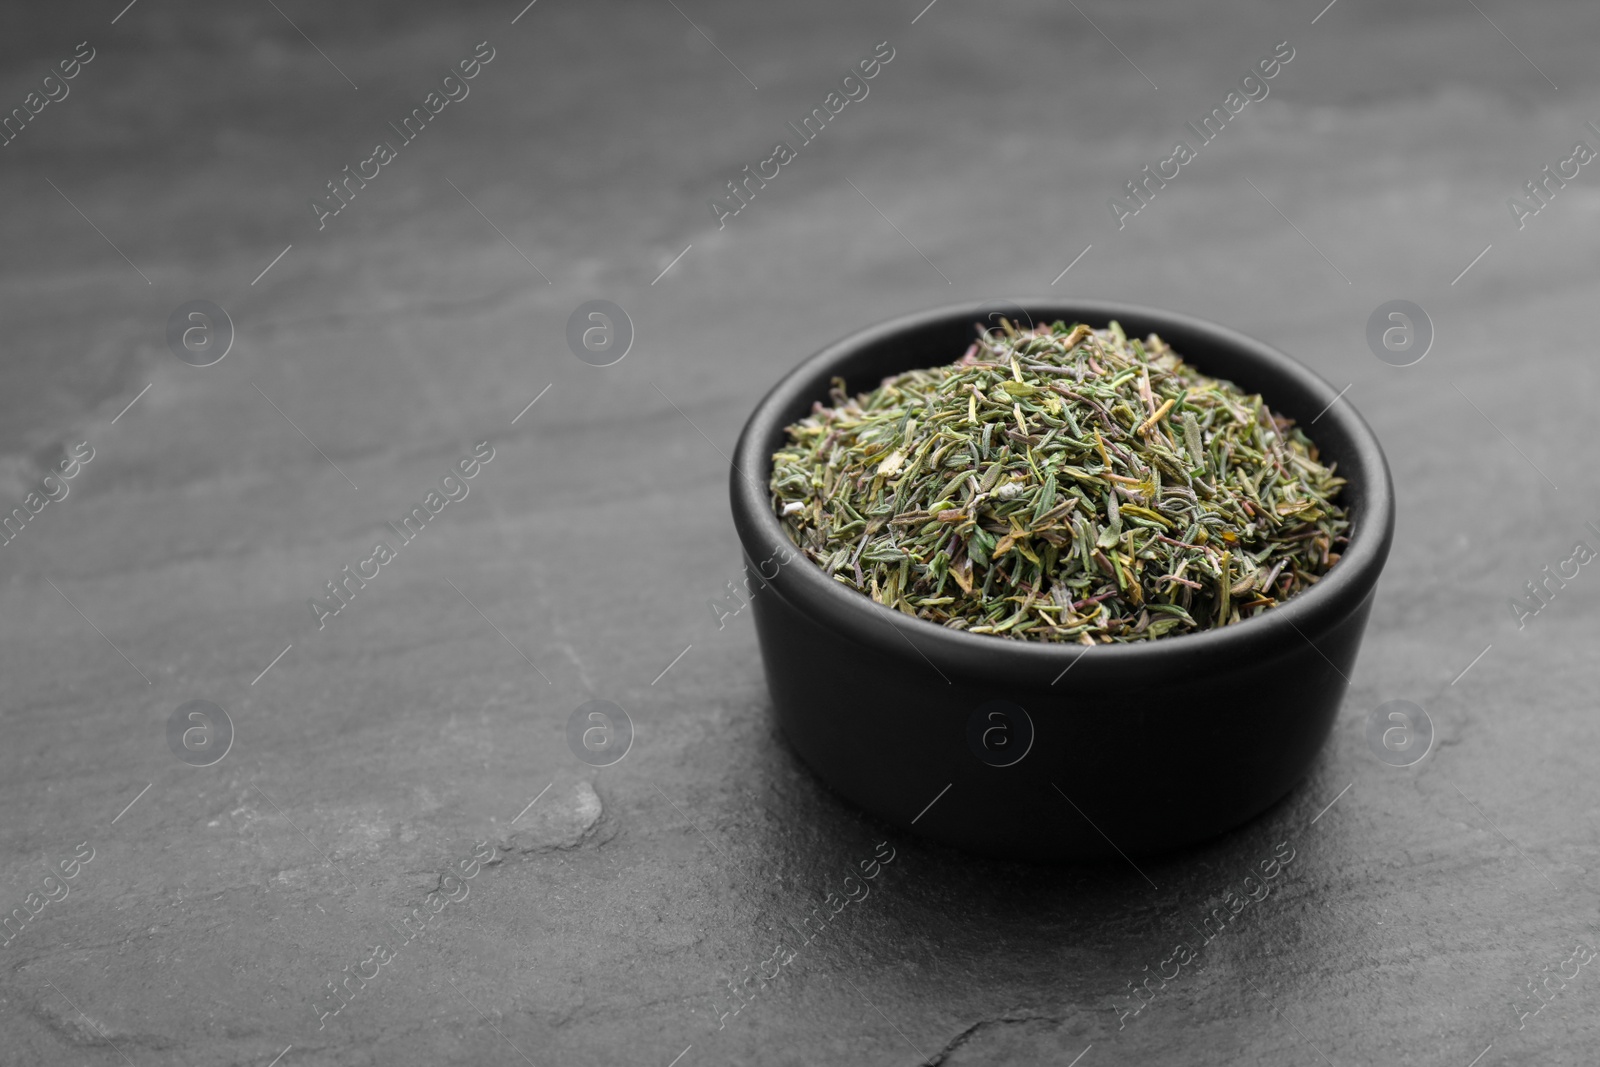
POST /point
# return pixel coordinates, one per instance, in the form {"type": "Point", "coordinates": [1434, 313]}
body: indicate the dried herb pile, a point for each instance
{"type": "Point", "coordinates": [1061, 484]}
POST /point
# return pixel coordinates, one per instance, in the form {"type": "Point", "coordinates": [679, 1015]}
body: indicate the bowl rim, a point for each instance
{"type": "Point", "coordinates": [1305, 615]}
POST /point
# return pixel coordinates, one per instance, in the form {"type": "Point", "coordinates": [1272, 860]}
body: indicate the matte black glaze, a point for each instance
{"type": "Point", "coordinates": [1136, 747]}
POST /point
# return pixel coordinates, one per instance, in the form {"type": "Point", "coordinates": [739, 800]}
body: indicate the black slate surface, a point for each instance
{"type": "Point", "coordinates": [412, 732]}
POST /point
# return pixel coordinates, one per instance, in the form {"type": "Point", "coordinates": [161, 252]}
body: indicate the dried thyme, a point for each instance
{"type": "Point", "coordinates": [1061, 484]}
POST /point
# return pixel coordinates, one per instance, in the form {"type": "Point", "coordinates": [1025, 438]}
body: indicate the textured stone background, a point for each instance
{"type": "Point", "coordinates": [378, 751]}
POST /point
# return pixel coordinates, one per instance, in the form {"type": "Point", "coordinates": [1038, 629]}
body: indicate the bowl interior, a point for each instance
{"type": "Point", "coordinates": [940, 336]}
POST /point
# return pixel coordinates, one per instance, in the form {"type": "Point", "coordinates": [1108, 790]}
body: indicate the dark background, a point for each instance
{"type": "Point", "coordinates": [376, 752]}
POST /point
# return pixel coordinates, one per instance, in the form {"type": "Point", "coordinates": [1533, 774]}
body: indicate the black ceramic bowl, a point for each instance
{"type": "Point", "coordinates": [983, 742]}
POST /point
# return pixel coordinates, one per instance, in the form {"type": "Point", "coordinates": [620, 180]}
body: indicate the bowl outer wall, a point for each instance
{"type": "Point", "coordinates": [1150, 768]}
{"type": "Point", "coordinates": [1302, 651]}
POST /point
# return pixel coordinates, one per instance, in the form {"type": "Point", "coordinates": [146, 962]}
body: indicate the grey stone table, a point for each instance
{"type": "Point", "coordinates": [422, 731]}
